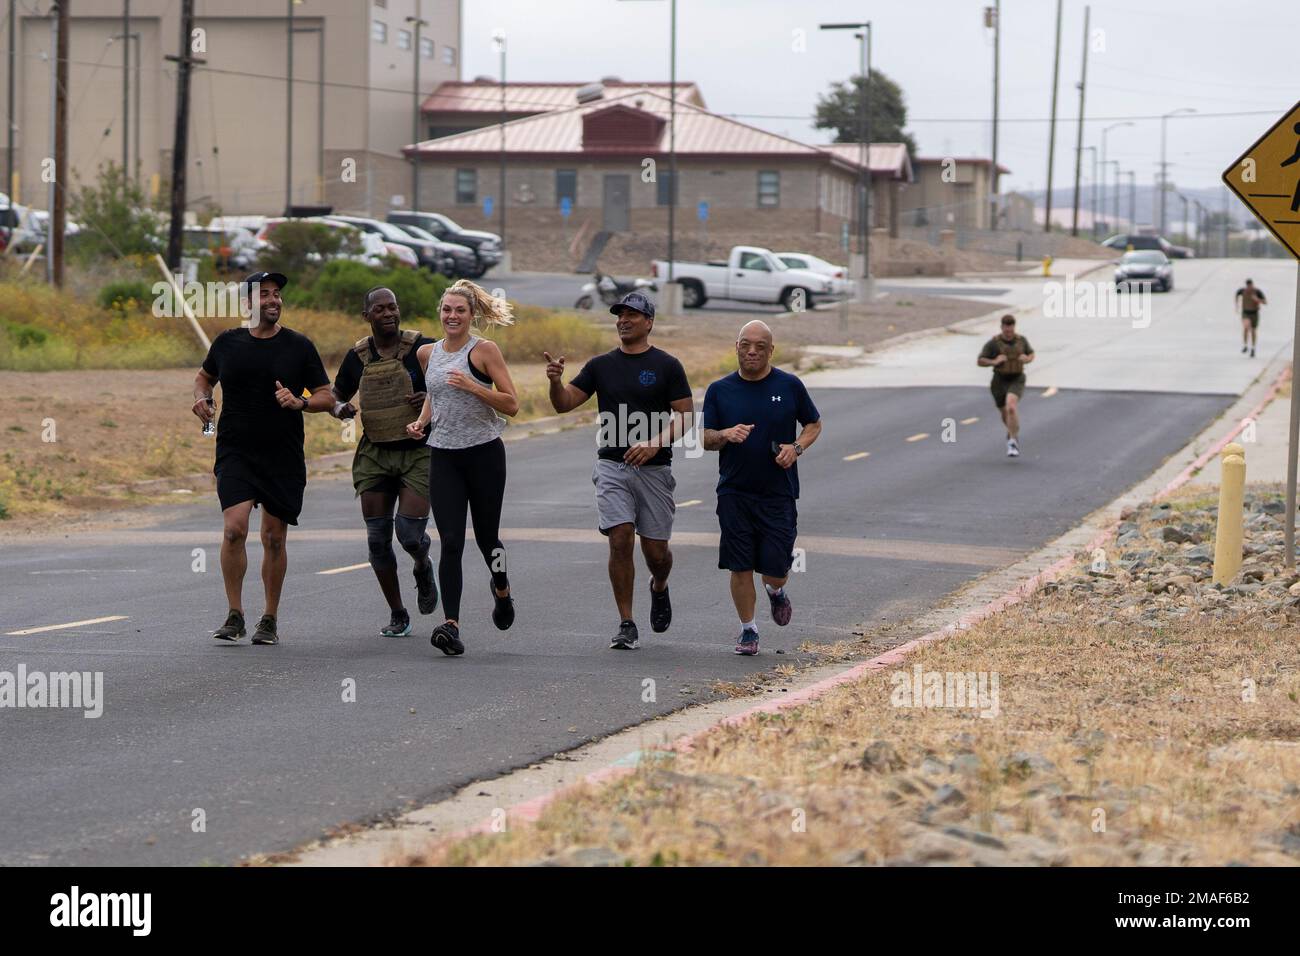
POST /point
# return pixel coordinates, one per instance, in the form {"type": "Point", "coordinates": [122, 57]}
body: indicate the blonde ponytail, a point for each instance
{"type": "Point", "coordinates": [485, 308]}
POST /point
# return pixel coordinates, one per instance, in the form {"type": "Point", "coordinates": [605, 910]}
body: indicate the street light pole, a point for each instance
{"type": "Point", "coordinates": [1092, 197]}
{"type": "Point", "coordinates": [288, 124]}
{"type": "Point", "coordinates": [994, 13]}
{"type": "Point", "coordinates": [1103, 165]}
{"type": "Point", "coordinates": [415, 116]}
{"type": "Point", "coordinates": [864, 141]}
{"type": "Point", "coordinates": [1164, 177]}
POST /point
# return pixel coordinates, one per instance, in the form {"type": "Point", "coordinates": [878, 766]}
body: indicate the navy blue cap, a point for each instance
{"type": "Point", "coordinates": [638, 301]}
{"type": "Point", "coordinates": [278, 278]}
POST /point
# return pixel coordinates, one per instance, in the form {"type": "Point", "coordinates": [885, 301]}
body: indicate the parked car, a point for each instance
{"type": "Point", "coordinates": [1125, 241]}
{"type": "Point", "coordinates": [373, 250]}
{"type": "Point", "coordinates": [486, 245]}
{"type": "Point", "coordinates": [750, 274]}
{"type": "Point", "coordinates": [841, 284]}
{"type": "Point", "coordinates": [231, 248]}
{"type": "Point", "coordinates": [1144, 267]}
{"type": "Point", "coordinates": [457, 260]}
{"type": "Point", "coordinates": [427, 253]}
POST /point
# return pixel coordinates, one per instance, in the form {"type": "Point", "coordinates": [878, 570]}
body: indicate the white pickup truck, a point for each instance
{"type": "Point", "coordinates": [750, 274]}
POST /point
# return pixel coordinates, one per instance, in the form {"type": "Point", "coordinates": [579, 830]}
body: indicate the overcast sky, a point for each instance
{"type": "Point", "coordinates": [1159, 55]}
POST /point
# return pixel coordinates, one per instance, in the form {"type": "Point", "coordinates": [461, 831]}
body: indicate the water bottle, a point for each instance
{"type": "Point", "coordinates": [210, 426]}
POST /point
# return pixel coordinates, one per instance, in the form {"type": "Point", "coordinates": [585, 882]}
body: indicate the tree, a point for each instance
{"type": "Point", "coordinates": [115, 217]}
{"type": "Point", "coordinates": [886, 111]}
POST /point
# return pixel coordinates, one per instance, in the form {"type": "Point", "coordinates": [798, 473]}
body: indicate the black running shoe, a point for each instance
{"type": "Point", "coordinates": [233, 629]}
{"type": "Point", "coordinates": [661, 609]}
{"type": "Point", "coordinates": [265, 633]}
{"type": "Point", "coordinates": [782, 609]}
{"type": "Point", "coordinates": [627, 638]}
{"type": "Point", "coordinates": [446, 638]}
{"type": "Point", "coordinates": [425, 589]}
{"type": "Point", "coordinates": [503, 610]}
{"type": "Point", "coordinates": [399, 625]}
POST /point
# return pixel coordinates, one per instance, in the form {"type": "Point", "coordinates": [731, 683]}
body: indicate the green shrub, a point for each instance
{"type": "Point", "coordinates": [126, 295]}
{"type": "Point", "coordinates": [341, 286]}
{"type": "Point", "coordinates": [116, 218]}
{"type": "Point", "coordinates": [22, 335]}
{"type": "Point", "coordinates": [296, 248]}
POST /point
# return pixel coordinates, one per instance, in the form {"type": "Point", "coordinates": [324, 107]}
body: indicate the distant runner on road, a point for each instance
{"type": "Point", "coordinates": [645, 403]}
{"type": "Point", "coordinates": [750, 417]}
{"type": "Point", "coordinates": [390, 467]}
{"type": "Point", "coordinates": [1007, 354]}
{"type": "Point", "coordinates": [1249, 298]}
{"type": "Point", "coordinates": [263, 371]}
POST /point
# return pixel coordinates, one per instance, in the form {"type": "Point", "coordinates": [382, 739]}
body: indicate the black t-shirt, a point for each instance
{"type": "Point", "coordinates": [635, 395]}
{"type": "Point", "coordinates": [348, 380]}
{"type": "Point", "coordinates": [253, 430]}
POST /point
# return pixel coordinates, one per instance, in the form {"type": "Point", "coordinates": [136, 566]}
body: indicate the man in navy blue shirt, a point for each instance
{"type": "Point", "coordinates": [750, 417]}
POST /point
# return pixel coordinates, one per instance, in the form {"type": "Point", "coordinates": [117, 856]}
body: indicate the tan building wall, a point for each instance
{"type": "Point", "coordinates": [239, 98]}
{"type": "Point", "coordinates": [962, 203]}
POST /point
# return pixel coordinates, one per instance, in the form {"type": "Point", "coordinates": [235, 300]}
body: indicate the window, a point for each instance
{"type": "Point", "coordinates": [379, 31]}
{"type": "Point", "coordinates": [403, 39]}
{"type": "Point", "coordinates": [449, 55]}
{"type": "Point", "coordinates": [666, 189]}
{"type": "Point", "coordinates": [467, 186]}
{"type": "Point", "coordinates": [566, 186]}
{"type": "Point", "coordinates": [427, 48]}
{"type": "Point", "coordinates": [769, 188]}
{"type": "Point", "coordinates": [753, 260]}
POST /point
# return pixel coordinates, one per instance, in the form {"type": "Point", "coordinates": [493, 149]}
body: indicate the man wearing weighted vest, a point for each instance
{"type": "Point", "coordinates": [390, 467]}
{"type": "Point", "coordinates": [1007, 354]}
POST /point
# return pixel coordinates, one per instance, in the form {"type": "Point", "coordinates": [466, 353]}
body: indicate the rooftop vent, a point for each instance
{"type": "Point", "coordinates": [590, 92]}
{"type": "Point", "coordinates": [610, 79]}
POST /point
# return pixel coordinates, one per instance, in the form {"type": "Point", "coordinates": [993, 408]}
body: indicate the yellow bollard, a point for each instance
{"type": "Point", "coordinates": [1047, 265]}
{"type": "Point", "coordinates": [1227, 535]}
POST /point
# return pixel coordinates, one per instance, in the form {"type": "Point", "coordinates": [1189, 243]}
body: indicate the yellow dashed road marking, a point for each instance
{"type": "Point", "coordinates": [918, 436]}
{"type": "Point", "coordinates": [63, 627]}
{"type": "Point", "coordinates": [350, 567]}
{"type": "Point", "coordinates": [970, 421]}
{"type": "Point", "coordinates": [1050, 392]}
{"type": "Point", "coordinates": [693, 501]}
{"type": "Point", "coordinates": [856, 456]}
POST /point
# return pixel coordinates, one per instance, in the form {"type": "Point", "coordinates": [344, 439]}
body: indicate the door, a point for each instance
{"type": "Point", "coordinates": [752, 280]}
{"type": "Point", "coordinates": [617, 193]}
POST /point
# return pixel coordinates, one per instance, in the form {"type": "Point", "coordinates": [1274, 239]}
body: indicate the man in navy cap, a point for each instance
{"type": "Point", "coordinates": [645, 403]}
{"type": "Point", "coordinates": [264, 369]}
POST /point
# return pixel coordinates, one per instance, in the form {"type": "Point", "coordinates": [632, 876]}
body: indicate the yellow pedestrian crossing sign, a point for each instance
{"type": "Point", "coordinates": [1267, 179]}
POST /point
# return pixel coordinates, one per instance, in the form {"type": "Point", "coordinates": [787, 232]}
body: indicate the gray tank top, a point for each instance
{"type": "Point", "coordinates": [460, 420]}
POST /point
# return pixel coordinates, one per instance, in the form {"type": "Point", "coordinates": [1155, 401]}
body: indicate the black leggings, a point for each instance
{"type": "Point", "coordinates": [474, 476]}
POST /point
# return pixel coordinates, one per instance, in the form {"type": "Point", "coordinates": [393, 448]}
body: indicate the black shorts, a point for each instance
{"type": "Point", "coordinates": [279, 496]}
{"type": "Point", "coordinates": [1251, 317]}
{"type": "Point", "coordinates": [757, 534]}
{"type": "Point", "coordinates": [1004, 384]}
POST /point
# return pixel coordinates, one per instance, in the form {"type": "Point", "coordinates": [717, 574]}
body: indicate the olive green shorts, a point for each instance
{"type": "Point", "coordinates": [1003, 384]}
{"type": "Point", "coordinates": [379, 468]}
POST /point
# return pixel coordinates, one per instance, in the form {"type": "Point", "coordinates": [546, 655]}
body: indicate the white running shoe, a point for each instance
{"type": "Point", "coordinates": [1013, 448]}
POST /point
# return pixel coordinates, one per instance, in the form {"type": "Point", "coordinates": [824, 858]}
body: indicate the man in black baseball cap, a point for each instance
{"type": "Point", "coordinates": [635, 300]}
{"type": "Point", "coordinates": [264, 370]}
{"type": "Point", "coordinates": [645, 403]}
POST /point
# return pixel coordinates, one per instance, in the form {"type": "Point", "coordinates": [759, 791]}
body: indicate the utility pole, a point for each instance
{"type": "Point", "coordinates": [995, 14]}
{"type": "Point", "coordinates": [1078, 151]}
{"type": "Point", "coordinates": [863, 197]}
{"type": "Point", "coordinates": [1051, 133]}
{"type": "Point", "coordinates": [501, 197]}
{"type": "Point", "coordinates": [672, 133]}
{"type": "Point", "coordinates": [180, 143]}
{"type": "Point", "coordinates": [415, 117]}
{"type": "Point", "coordinates": [1132, 198]}
{"type": "Point", "coordinates": [1164, 166]}
{"type": "Point", "coordinates": [59, 212]}
{"type": "Point", "coordinates": [288, 122]}
{"type": "Point", "coordinates": [9, 180]}
{"type": "Point", "coordinates": [126, 89]}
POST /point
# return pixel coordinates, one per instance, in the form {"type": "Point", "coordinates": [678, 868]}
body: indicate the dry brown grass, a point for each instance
{"type": "Point", "coordinates": [1148, 729]}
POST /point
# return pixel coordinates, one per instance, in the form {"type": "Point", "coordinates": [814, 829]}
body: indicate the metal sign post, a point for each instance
{"type": "Point", "coordinates": [1293, 432]}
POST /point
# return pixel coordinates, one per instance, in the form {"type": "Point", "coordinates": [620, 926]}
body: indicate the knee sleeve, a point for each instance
{"type": "Point", "coordinates": [379, 539]}
{"type": "Point", "coordinates": [411, 535]}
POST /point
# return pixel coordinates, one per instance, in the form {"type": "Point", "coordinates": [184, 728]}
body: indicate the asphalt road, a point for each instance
{"type": "Point", "coordinates": [557, 290]}
{"type": "Point", "coordinates": [261, 741]}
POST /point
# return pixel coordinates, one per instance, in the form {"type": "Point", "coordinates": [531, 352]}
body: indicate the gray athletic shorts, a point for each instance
{"type": "Point", "coordinates": [642, 497]}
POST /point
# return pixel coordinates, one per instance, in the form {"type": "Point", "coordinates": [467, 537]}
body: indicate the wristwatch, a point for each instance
{"type": "Point", "coordinates": [798, 449]}
{"type": "Point", "coordinates": [303, 406]}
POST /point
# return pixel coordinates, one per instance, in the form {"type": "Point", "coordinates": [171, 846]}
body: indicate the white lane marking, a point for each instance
{"type": "Point", "coordinates": [918, 436]}
{"type": "Point", "coordinates": [350, 567]}
{"type": "Point", "coordinates": [61, 627]}
{"type": "Point", "coordinates": [856, 456]}
{"type": "Point", "coordinates": [693, 501]}
{"type": "Point", "coordinates": [1049, 392]}
{"type": "Point", "coordinates": [970, 421]}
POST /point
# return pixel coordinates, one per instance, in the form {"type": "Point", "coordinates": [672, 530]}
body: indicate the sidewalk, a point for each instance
{"type": "Point", "coordinates": [1266, 455]}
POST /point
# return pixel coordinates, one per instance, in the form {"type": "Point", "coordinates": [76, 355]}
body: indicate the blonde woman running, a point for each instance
{"type": "Point", "coordinates": [468, 390]}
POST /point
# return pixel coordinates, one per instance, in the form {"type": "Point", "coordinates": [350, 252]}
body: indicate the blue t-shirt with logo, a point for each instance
{"type": "Point", "coordinates": [775, 405]}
